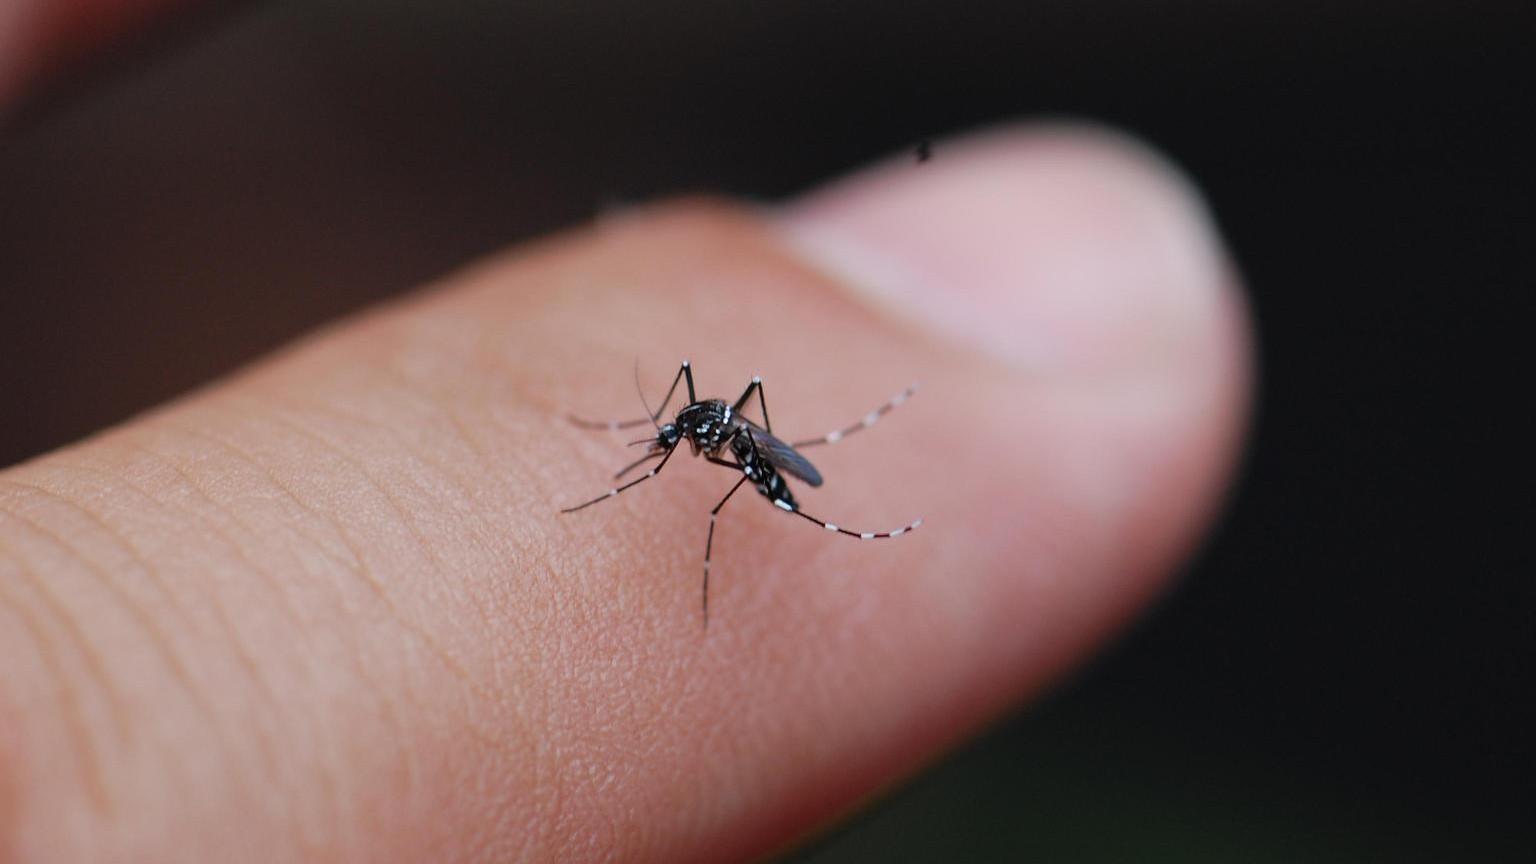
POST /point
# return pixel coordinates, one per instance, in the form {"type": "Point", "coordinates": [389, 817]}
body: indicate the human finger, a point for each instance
{"type": "Point", "coordinates": [334, 594]}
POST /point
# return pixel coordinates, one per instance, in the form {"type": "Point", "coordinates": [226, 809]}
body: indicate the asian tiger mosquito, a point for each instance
{"type": "Point", "coordinates": [714, 428]}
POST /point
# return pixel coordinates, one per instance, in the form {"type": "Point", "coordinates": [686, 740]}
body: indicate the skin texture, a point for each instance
{"type": "Point", "coordinates": [326, 609]}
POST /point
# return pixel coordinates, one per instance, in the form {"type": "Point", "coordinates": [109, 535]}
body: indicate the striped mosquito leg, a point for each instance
{"type": "Point", "coordinates": [630, 424]}
{"type": "Point", "coordinates": [635, 464]}
{"type": "Point", "coordinates": [762, 401]}
{"type": "Point", "coordinates": [580, 423]}
{"type": "Point", "coordinates": [837, 435]}
{"type": "Point", "coordinates": [709, 543]}
{"type": "Point", "coordinates": [612, 492]}
{"type": "Point", "coordinates": [862, 535]}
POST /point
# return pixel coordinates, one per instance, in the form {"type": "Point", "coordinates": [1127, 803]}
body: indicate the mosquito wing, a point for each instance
{"type": "Point", "coordinates": [784, 457]}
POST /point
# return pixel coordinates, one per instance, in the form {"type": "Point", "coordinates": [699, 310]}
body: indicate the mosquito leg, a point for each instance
{"type": "Point", "coordinates": [637, 463]}
{"type": "Point", "coordinates": [629, 424]}
{"type": "Point", "coordinates": [709, 544]}
{"type": "Point", "coordinates": [837, 435]}
{"type": "Point", "coordinates": [686, 371]}
{"type": "Point", "coordinates": [789, 505]}
{"type": "Point", "coordinates": [582, 423]}
{"type": "Point", "coordinates": [862, 535]}
{"type": "Point", "coordinates": [612, 492]}
{"type": "Point", "coordinates": [755, 386]}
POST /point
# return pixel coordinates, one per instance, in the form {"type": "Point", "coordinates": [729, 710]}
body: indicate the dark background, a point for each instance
{"type": "Point", "coordinates": [1344, 673]}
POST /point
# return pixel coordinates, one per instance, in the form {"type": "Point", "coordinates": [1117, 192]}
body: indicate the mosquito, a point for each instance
{"type": "Point", "coordinates": [716, 429]}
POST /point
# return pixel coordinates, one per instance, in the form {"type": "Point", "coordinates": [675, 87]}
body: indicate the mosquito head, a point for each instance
{"type": "Point", "coordinates": [667, 436]}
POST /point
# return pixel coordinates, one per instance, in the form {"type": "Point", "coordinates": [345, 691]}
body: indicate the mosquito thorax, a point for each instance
{"type": "Point", "coordinates": [705, 424]}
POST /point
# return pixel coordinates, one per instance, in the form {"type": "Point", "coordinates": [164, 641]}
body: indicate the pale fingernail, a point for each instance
{"type": "Point", "coordinates": [1053, 248]}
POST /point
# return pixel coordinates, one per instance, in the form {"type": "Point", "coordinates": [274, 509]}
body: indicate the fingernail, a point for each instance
{"type": "Point", "coordinates": [1056, 249]}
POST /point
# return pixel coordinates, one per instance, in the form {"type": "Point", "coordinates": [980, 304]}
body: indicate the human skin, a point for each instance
{"type": "Point", "coordinates": [327, 609]}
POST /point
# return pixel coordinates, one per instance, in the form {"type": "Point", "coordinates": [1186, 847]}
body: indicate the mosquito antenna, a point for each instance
{"type": "Point", "coordinates": [640, 391]}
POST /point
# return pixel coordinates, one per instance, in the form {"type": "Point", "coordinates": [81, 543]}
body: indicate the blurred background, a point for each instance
{"type": "Point", "coordinates": [1344, 673]}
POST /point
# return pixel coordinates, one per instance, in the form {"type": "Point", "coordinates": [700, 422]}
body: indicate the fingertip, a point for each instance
{"type": "Point", "coordinates": [1053, 247]}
